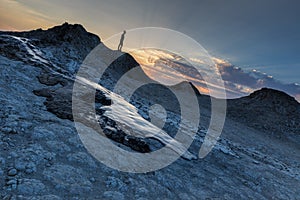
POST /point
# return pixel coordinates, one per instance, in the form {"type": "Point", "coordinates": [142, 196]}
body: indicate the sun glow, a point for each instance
{"type": "Point", "coordinates": [15, 15]}
{"type": "Point", "coordinates": [158, 66]}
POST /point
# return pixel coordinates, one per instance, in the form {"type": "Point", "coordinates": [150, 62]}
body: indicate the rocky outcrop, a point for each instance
{"type": "Point", "coordinates": [269, 110]}
{"type": "Point", "coordinates": [67, 36]}
{"type": "Point", "coordinates": [65, 45]}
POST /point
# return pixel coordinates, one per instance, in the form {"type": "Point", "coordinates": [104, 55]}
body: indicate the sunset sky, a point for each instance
{"type": "Point", "coordinates": [262, 35]}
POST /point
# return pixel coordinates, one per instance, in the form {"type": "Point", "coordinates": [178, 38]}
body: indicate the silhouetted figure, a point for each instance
{"type": "Point", "coordinates": [121, 40]}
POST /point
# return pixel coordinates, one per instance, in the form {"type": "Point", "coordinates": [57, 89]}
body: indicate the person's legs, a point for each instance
{"type": "Point", "coordinates": [120, 46]}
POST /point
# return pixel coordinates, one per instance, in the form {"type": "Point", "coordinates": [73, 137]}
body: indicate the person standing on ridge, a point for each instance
{"type": "Point", "coordinates": [121, 40]}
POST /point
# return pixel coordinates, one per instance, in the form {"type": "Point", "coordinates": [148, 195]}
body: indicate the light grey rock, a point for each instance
{"type": "Point", "coordinates": [9, 197]}
{"type": "Point", "coordinates": [29, 158]}
{"type": "Point", "coordinates": [58, 146]}
{"type": "Point", "coordinates": [12, 172]}
{"type": "Point", "coordinates": [2, 161]}
{"type": "Point", "coordinates": [141, 192]}
{"type": "Point", "coordinates": [81, 158]}
{"type": "Point", "coordinates": [46, 197]}
{"type": "Point", "coordinates": [20, 164]}
{"type": "Point", "coordinates": [78, 189]}
{"type": "Point", "coordinates": [113, 195]}
{"type": "Point", "coordinates": [67, 178]}
{"type": "Point", "coordinates": [11, 182]}
{"type": "Point", "coordinates": [76, 142]}
{"type": "Point", "coordinates": [115, 183]}
{"type": "Point", "coordinates": [42, 133]}
{"type": "Point", "coordinates": [30, 187]}
{"type": "Point", "coordinates": [23, 164]}
{"type": "Point", "coordinates": [30, 168]}
{"type": "Point", "coordinates": [186, 196]}
{"type": "Point", "coordinates": [13, 154]}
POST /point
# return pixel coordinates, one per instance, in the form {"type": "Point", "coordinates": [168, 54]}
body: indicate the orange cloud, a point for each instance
{"type": "Point", "coordinates": [16, 16]}
{"type": "Point", "coordinates": [222, 62]}
{"type": "Point", "coordinates": [197, 60]}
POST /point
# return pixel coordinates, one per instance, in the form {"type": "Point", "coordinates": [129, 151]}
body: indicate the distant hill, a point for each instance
{"type": "Point", "coordinates": [267, 109]}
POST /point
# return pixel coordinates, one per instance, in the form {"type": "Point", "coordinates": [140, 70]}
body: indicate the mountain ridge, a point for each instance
{"type": "Point", "coordinates": [74, 32]}
{"type": "Point", "coordinates": [261, 102]}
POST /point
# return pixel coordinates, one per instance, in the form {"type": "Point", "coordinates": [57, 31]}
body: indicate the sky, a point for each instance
{"type": "Point", "coordinates": [261, 35]}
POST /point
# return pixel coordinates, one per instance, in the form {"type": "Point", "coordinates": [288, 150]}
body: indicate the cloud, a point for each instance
{"type": "Point", "coordinates": [238, 82]}
{"type": "Point", "coordinates": [15, 15]}
{"type": "Point", "coordinates": [246, 82]}
{"type": "Point", "coordinates": [197, 60]}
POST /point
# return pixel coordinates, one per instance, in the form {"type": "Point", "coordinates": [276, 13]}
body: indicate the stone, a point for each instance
{"type": "Point", "coordinates": [12, 172]}
{"type": "Point", "coordinates": [113, 195]}
{"type": "Point", "coordinates": [11, 182]}
{"type": "Point", "coordinates": [81, 158]}
{"type": "Point", "coordinates": [66, 177]}
{"type": "Point", "coordinates": [58, 146]}
{"type": "Point", "coordinates": [30, 187]}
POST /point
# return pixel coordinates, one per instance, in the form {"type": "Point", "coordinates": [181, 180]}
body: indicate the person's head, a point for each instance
{"type": "Point", "coordinates": [124, 31]}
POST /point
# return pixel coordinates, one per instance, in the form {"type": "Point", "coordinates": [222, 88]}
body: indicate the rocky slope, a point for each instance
{"type": "Point", "coordinates": [269, 110]}
{"type": "Point", "coordinates": [42, 157]}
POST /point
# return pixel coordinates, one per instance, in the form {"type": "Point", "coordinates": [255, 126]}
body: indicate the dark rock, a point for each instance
{"type": "Point", "coordinates": [102, 99]}
{"type": "Point", "coordinates": [268, 110]}
{"type": "Point", "coordinates": [73, 34]}
{"type": "Point", "coordinates": [117, 69]}
{"type": "Point", "coordinates": [44, 92]}
{"type": "Point", "coordinates": [48, 79]}
{"type": "Point", "coordinates": [136, 144]}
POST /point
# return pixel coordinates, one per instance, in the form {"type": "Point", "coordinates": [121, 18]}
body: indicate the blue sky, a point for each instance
{"type": "Point", "coordinates": [257, 34]}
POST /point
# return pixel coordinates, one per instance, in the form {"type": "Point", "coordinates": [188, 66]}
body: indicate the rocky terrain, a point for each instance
{"type": "Point", "coordinates": [269, 110]}
{"type": "Point", "coordinates": [42, 157]}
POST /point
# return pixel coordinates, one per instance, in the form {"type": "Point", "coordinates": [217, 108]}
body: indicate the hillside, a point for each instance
{"type": "Point", "coordinates": [269, 110]}
{"type": "Point", "coordinates": [43, 157]}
